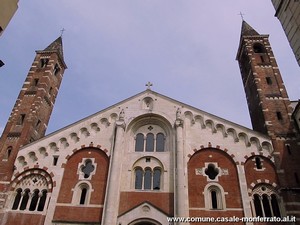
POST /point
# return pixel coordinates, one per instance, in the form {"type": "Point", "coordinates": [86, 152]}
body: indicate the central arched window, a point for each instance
{"type": "Point", "coordinates": [147, 179]}
{"type": "Point", "coordinates": [265, 201]}
{"type": "Point", "coordinates": [150, 142]}
{"type": "Point", "coordinates": [148, 174]}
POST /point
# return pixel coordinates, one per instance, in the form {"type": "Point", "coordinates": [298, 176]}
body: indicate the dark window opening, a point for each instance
{"type": "Point", "coordinates": [17, 199]}
{"type": "Point", "coordinates": [21, 119]}
{"type": "Point", "coordinates": [156, 179]}
{"type": "Point", "coordinates": [138, 178]}
{"type": "Point", "coordinates": [160, 142]}
{"type": "Point", "coordinates": [8, 152]}
{"type": "Point", "coordinates": [25, 200]}
{"type": "Point", "coordinates": [269, 80]}
{"type": "Point", "coordinates": [35, 82]}
{"type": "Point", "coordinates": [279, 115]}
{"type": "Point", "coordinates": [88, 168]}
{"type": "Point", "coordinates": [147, 179]}
{"type": "Point", "coordinates": [34, 200]}
{"type": "Point", "coordinates": [56, 69]}
{"type": "Point", "coordinates": [55, 159]}
{"type": "Point", "coordinates": [288, 148]}
{"type": "Point", "coordinates": [83, 196]}
{"type": "Point", "coordinates": [42, 201]}
{"type": "Point", "coordinates": [139, 143]}
{"type": "Point", "coordinates": [211, 171]}
{"type": "Point", "coordinates": [258, 48]}
{"type": "Point", "coordinates": [258, 163]}
{"type": "Point", "coordinates": [148, 159]}
{"type": "Point", "coordinates": [266, 205]}
{"type": "Point", "coordinates": [214, 200]}
{"type": "Point", "coordinates": [150, 142]}
{"type": "Point", "coordinates": [262, 59]}
{"type": "Point", "coordinates": [275, 206]}
{"type": "Point", "coordinates": [38, 124]}
{"type": "Point", "coordinates": [257, 205]}
{"type": "Point", "coordinates": [44, 63]}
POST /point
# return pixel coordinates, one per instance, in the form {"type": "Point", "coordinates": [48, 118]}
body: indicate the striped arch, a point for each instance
{"type": "Point", "coordinates": [91, 145]}
{"type": "Point", "coordinates": [36, 172]}
{"type": "Point", "coordinates": [252, 154]}
{"type": "Point", "coordinates": [202, 147]}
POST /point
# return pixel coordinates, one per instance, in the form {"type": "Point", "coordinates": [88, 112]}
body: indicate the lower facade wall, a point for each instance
{"type": "Point", "coordinates": [163, 201]}
{"type": "Point", "coordinates": [17, 218]}
{"type": "Point", "coordinates": [78, 214]}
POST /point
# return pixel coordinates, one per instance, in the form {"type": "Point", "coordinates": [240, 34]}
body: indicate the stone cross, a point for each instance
{"type": "Point", "coordinates": [241, 14]}
{"type": "Point", "coordinates": [62, 31]}
{"type": "Point", "coordinates": [149, 84]}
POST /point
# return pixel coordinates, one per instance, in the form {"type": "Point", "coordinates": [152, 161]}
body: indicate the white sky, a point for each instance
{"type": "Point", "coordinates": [113, 48]}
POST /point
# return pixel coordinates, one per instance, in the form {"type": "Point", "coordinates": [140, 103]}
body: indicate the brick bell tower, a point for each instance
{"type": "Point", "coordinates": [270, 111]}
{"type": "Point", "coordinates": [31, 113]}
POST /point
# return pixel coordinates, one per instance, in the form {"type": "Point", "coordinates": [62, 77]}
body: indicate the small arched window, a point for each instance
{"type": "Point", "coordinates": [160, 142]}
{"type": "Point", "coordinates": [275, 206]}
{"type": "Point", "coordinates": [138, 178]}
{"type": "Point", "coordinates": [215, 198]}
{"type": "Point", "coordinates": [257, 205]}
{"type": "Point", "coordinates": [34, 200]}
{"type": "Point", "coordinates": [265, 201]}
{"type": "Point", "coordinates": [156, 179]}
{"type": "Point", "coordinates": [42, 201]}
{"type": "Point", "coordinates": [139, 143]}
{"type": "Point", "coordinates": [83, 196]}
{"type": "Point", "coordinates": [8, 152]}
{"type": "Point", "coordinates": [258, 163]}
{"type": "Point", "coordinates": [17, 199]}
{"type": "Point", "coordinates": [147, 179]}
{"type": "Point", "coordinates": [150, 142]}
{"type": "Point", "coordinates": [258, 48]}
{"type": "Point", "coordinates": [25, 199]}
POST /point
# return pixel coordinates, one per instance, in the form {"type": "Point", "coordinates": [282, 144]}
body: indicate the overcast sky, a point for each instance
{"type": "Point", "coordinates": [186, 48]}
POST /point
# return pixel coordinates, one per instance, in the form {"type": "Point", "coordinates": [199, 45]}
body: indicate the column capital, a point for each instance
{"type": "Point", "coordinates": [178, 123]}
{"type": "Point", "coordinates": [121, 123]}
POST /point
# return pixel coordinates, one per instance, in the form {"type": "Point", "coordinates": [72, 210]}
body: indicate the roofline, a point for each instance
{"type": "Point", "coordinates": [140, 93]}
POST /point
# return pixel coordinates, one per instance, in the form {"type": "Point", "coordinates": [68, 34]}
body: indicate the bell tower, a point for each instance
{"type": "Point", "coordinates": [31, 113]}
{"type": "Point", "coordinates": [270, 110]}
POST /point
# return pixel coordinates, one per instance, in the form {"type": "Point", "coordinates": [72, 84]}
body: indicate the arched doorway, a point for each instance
{"type": "Point", "coordinates": [144, 221]}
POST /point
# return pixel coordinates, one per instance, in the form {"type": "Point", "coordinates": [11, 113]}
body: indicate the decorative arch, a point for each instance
{"type": "Point", "coordinates": [209, 146]}
{"type": "Point", "coordinates": [30, 191]}
{"type": "Point", "coordinates": [222, 129]}
{"type": "Point", "coordinates": [213, 165]}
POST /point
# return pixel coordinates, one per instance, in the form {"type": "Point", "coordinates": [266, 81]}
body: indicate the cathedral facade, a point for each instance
{"type": "Point", "coordinates": [150, 158]}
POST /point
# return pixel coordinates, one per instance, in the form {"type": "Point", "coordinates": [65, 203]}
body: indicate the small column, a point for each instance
{"type": "Point", "coordinates": [181, 196]}
{"type": "Point", "coordinates": [110, 212]}
{"type": "Point", "coordinates": [244, 192]}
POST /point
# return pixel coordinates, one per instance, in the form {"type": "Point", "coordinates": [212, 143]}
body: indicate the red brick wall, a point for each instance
{"type": "Point", "coordinates": [197, 183]}
{"type": "Point", "coordinates": [163, 201]}
{"type": "Point", "coordinates": [71, 178]}
{"type": "Point", "coordinates": [15, 218]}
{"type": "Point", "coordinates": [268, 172]}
